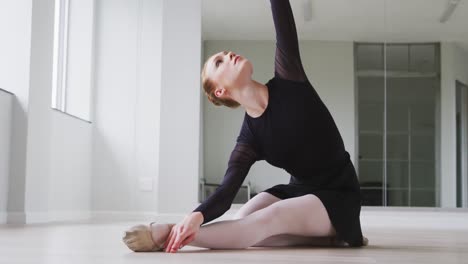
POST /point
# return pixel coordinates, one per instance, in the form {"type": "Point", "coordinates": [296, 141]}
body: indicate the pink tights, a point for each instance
{"type": "Point", "coordinates": [269, 221]}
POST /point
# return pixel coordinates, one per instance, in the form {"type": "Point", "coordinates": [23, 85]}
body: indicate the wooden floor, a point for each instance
{"type": "Point", "coordinates": [100, 242]}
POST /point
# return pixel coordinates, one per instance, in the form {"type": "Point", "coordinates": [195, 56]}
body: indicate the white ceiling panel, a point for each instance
{"type": "Point", "coordinates": [342, 20]}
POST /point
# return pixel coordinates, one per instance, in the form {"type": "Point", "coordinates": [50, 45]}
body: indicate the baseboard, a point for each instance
{"type": "Point", "coordinates": [415, 218]}
{"type": "Point", "coordinates": [60, 216]}
{"type": "Point", "coordinates": [112, 216]}
{"type": "Point", "coordinates": [371, 217]}
{"type": "Point", "coordinates": [15, 218]}
{"type": "Point", "coordinates": [45, 217]}
{"type": "Point", "coordinates": [121, 216]}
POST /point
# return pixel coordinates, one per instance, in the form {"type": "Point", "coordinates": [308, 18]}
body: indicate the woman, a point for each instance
{"type": "Point", "coordinates": [287, 124]}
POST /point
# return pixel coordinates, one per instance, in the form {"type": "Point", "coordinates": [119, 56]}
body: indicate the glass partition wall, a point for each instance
{"type": "Point", "coordinates": [397, 87]}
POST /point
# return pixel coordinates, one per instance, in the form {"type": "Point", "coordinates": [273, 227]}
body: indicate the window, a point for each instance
{"type": "Point", "coordinates": [60, 54]}
{"type": "Point", "coordinates": [73, 56]}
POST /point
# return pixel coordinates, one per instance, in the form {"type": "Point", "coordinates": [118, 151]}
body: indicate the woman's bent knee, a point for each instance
{"type": "Point", "coordinates": [259, 202]}
{"type": "Point", "coordinates": [304, 215]}
{"type": "Point", "coordinates": [312, 198]}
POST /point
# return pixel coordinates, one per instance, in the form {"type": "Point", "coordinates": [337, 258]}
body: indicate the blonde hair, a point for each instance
{"type": "Point", "coordinates": [209, 87]}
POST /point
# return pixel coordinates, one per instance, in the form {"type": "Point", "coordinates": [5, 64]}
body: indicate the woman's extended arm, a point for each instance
{"type": "Point", "coordinates": [242, 158]}
{"type": "Point", "coordinates": [288, 63]}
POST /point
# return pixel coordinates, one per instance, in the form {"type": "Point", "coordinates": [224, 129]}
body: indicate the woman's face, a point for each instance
{"type": "Point", "coordinates": [228, 71]}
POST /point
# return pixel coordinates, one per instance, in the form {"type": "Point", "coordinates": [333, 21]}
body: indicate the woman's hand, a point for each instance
{"type": "Point", "coordinates": [184, 232]}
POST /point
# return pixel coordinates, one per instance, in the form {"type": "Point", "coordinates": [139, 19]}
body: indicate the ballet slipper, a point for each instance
{"type": "Point", "coordinates": [160, 232]}
{"type": "Point", "coordinates": [365, 241]}
{"type": "Point", "coordinates": [143, 238]}
{"type": "Point", "coordinates": [336, 241]}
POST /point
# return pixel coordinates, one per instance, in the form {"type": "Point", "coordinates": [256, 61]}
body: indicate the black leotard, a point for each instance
{"type": "Point", "coordinates": [297, 133]}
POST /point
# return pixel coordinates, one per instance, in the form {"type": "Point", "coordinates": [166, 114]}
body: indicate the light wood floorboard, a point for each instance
{"type": "Point", "coordinates": [100, 242]}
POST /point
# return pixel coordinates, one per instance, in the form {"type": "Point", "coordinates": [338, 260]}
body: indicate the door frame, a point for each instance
{"type": "Point", "coordinates": [462, 89]}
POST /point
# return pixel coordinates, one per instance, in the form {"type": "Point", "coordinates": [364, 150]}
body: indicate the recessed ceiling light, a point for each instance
{"type": "Point", "coordinates": [451, 5]}
{"type": "Point", "coordinates": [307, 8]}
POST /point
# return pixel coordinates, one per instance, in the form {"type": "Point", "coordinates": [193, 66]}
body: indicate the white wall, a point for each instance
{"type": "Point", "coordinates": [127, 104]}
{"type": "Point", "coordinates": [180, 107]}
{"type": "Point", "coordinates": [14, 66]}
{"type": "Point", "coordinates": [330, 69]}
{"type": "Point", "coordinates": [15, 47]}
{"type": "Point", "coordinates": [70, 153]}
{"type": "Point", "coordinates": [70, 147]}
{"type": "Point", "coordinates": [36, 190]}
{"type": "Point", "coordinates": [52, 192]}
{"type": "Point", "coordinates": [6, 117]}
{"type": "Point", "coordinates": [146, 133]}
{"type": "Point", "coordinates": [454, 63]}
{"type": "Point", "coordinates": [39, 121]}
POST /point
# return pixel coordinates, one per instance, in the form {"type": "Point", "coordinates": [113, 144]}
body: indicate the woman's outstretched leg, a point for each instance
{"type": "Point", "coordinates": [303, 216]}
{"type": "Point", "coordinates": [265, 199]}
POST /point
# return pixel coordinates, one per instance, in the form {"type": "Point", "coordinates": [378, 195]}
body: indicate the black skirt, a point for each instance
{"type": "Point", "coordinates": [342, 200]}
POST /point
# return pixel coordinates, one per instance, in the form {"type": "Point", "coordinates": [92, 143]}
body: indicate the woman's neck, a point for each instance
{"type": "Point", "coordinates": [253, 97]}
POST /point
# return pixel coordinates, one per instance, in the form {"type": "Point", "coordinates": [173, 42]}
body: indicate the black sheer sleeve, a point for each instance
{"type": "Point", "coordinates": [242, 158]}
{"type": "Point", "coordinates": [288, 63]}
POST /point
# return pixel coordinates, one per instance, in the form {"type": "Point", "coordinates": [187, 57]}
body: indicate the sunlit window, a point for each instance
{"type": "Point", "coordinates": [59, 87]}
{"type": "Point", "coordinates": [73, 57]}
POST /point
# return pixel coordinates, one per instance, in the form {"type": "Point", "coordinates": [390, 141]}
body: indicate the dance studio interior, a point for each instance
{"type": "Point", "coordinates": [104, 124]}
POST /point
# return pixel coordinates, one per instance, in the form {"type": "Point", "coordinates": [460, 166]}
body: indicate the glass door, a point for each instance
{"type": "Point", "coordinates": [370, 82]}
{"type": "Point", "coordinates": [411, 85]}
{"type": "Point", "coordinates": [397, 115]}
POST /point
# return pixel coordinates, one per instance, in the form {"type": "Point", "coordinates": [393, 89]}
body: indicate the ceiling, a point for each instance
{"type": "Point", "coordinates": [340, 20]}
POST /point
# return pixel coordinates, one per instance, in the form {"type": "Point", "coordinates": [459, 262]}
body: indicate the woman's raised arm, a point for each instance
{"type": "Point", "coordinates": [288, 63]}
